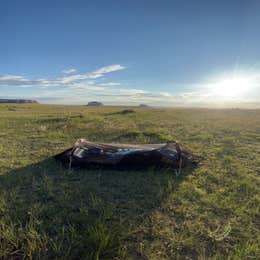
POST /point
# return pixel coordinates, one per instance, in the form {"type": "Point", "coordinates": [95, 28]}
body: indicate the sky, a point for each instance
{"type": "Point", "coordinates": [120, 52]}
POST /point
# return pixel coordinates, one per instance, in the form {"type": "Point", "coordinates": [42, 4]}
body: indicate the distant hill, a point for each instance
{"type": "Point", "coordinates": [3, 100]}
{"type": "Point", "coordinates": [143, 105]}
{"type": "Point", "coordinates": [94, 104]}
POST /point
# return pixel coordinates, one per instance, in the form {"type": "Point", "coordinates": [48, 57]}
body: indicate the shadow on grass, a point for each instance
{"type": "Point", "coordinates": [47, 212]}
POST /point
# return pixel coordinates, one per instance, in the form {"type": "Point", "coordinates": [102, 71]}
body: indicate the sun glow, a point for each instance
{"type": "Point", "coordinates": [231, 87]}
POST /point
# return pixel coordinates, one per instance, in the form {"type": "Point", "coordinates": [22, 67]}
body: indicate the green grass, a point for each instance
{"type": "Point", "coordinates": [210, 212]}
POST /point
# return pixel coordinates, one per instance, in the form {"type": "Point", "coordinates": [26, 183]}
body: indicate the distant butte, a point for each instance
{"type": "Point", "coordinates": [94, 104]}
{"type": "Point", "coordinates": [19, 101]}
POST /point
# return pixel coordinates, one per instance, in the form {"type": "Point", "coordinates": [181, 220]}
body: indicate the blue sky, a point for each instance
{"type": "Point", "coordinates": [130, 52]}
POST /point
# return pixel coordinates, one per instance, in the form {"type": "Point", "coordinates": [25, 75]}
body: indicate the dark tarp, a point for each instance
{"type": "Point", "coordinates": [126, 156]}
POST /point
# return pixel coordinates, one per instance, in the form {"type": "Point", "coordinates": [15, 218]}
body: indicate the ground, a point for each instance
{"type": "Point", "coordinates": [208, 212]}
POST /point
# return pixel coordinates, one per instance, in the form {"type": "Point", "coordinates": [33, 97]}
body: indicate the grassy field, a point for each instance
{"type": "Point", "coordinates": [210, 212]}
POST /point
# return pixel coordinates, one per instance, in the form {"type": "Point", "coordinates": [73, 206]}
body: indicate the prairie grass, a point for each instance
{"type": "Point", "coordinates": [210, 212]}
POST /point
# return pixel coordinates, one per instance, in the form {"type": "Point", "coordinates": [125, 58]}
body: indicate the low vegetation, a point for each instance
{"type": "Point", "coordinates": [210, 212]}
{"type": "Point", "coordinates": [124, 112]}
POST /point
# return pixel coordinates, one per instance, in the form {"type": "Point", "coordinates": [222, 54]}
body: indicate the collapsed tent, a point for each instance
{"type": "Point", "coordinates": [125, 156]}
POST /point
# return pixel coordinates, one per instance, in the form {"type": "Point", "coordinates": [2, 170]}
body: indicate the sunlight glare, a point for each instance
{"type": "Point", "coordinates": [231, 87]}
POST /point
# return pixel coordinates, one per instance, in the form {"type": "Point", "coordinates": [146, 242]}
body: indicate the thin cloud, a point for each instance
{"type": "Point", "coordinates": [16, 80]}
{"type": "Point", "coordinates": [81, 88]}
{"type": "Point", "coordinates": [109, 68]}
{"type": "Point", "coordinates": [68, 71]}
{"type": "Point", "coordinates": [93, 75]}
{"type": "Point", "coordinates": [120, 96]}
{"type": "Point", "coordinates": [110, 84]}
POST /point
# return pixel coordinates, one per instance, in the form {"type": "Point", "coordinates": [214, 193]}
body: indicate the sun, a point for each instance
{"type": "Point", "coordinates": [231, 87]}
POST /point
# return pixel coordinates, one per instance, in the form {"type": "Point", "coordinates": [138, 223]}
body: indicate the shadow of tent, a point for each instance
{"type": "Point", "coordinates": [64, 207]}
